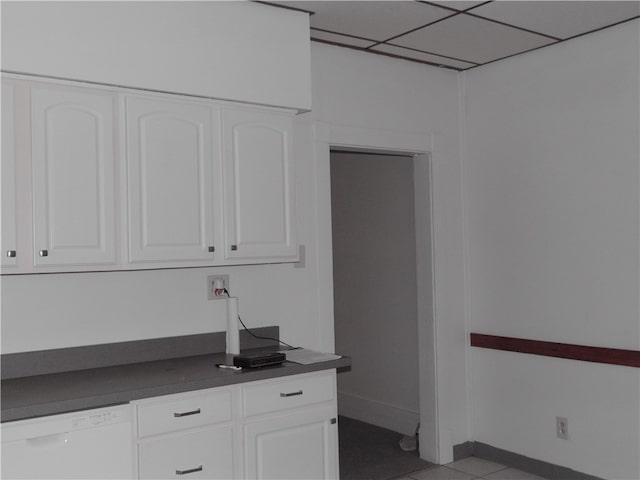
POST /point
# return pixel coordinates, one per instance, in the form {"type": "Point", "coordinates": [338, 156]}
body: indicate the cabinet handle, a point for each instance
{"type": "Point", "coordinates": [212, 249]}
{"type": "Point", "coordinates": [44, 253]}
{"type": "Point", "coordinates": [186, 414]}
{"type": "Point", "coordinates": [234, 247]}
{"type": "Point", "coordinates": [11, 253]}
{"type": "Point", "coordinates": [291, 394]}
{"type": "Point", "coordinates": [334, 421]}
{"type": "Point", "coordinates": [191, 470]}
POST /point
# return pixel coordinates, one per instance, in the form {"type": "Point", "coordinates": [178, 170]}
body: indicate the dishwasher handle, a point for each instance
{"type": "Point", "coordinates": [48, 440]}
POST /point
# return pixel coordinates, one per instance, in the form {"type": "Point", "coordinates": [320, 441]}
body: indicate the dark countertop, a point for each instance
{"type": "Point", "coordinates": [40, 395]}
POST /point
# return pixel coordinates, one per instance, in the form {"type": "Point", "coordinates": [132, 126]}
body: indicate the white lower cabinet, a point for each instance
{"type": "Point", "coordinates": [189, 435]}
{"type": "Point", "coordinates": [278, 429]}
{"type": "Point", "coordinates": [300, 445]}
{"type": "Point", "coordinates": [290, 428]}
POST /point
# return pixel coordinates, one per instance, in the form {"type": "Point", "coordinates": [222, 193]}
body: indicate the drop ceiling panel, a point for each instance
{"type": "Point", "coordinates": [562, 19]}
{"type": "Point", "coordinates": [378, 20]}
{"type": "Point", "coordinates": [341, 39]}
{"type": "Point", "coordinates": [472, 39]}
{"type": "Point", "coordinates": [421, 56]}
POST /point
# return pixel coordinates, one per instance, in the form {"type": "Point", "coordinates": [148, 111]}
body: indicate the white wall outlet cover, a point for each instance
{"type": "Point", "coordinates": [216, 284]}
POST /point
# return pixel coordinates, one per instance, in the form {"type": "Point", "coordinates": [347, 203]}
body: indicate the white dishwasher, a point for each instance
{"type": "Point", "coordinates": [89, 444]}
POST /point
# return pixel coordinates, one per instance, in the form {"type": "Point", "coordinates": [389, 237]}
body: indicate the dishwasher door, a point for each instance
{"type": "Point", "coordinates": [90, 444]}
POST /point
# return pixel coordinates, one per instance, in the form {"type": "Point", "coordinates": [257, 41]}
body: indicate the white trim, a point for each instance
{"type": "Point", "coordinates": [378, 413]}
{"type": "Point", "coordinates": [425, 281]}
{"type": "Point", "coordinates": [147, 92]}
{"type": "Point", "coordinates": [324, 259]}
{"type": "Point", "coordinates": [464, 155]}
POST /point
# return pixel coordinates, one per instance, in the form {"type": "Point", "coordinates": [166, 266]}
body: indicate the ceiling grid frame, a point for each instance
{"type": "Point", "coordinates": [458, 35]}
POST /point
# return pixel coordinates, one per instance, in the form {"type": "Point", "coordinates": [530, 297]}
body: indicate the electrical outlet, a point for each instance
{"type": "Point", "coordinates": [562, 428]}
{"type": "Point", "coordinates": [216, 292]}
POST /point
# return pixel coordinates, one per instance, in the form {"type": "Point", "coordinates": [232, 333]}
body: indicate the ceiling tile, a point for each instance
{"type": "Point", "coordinates": [420, 56]}
{"type": "Point", "coordinates": [341, 39]}
{"type": "Point", "coordinates": [459, 4]}
{"type": "Point", "coordinates": [561, 19]}
{"type": "Point", "coordinates": [378, 20]}
{"type": "Point", "coordinates": [471, 39]}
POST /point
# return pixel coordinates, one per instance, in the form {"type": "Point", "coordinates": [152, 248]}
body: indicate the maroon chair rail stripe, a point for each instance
{"type": "Point", "coordinates": [612, 356]}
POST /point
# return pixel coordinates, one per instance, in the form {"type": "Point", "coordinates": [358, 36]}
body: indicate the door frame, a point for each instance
{"type": "Point", "coordinates": [421, 147]}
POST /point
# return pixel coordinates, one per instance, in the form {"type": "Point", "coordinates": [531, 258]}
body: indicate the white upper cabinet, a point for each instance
{"type": "Point", "coordinates": [106, 178]}
{"type": "Point", "coordinates": [73, 176]}
{"type": "Point", "coordinates": [259, 185]}
{"type": "Point", "coordinates": [172, 163]}
{"type": "Point", "coordinates": [8, 245]}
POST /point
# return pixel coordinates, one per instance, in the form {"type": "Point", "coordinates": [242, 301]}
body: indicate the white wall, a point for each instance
{"type": "Point", "coordinates": [233, 50]}
{"type": "Point", "coordinates": [551, 182]}
{"type": "Point", "coordinates": [379, 98]}
{"type": "Point", "coordinates": [374, 277]}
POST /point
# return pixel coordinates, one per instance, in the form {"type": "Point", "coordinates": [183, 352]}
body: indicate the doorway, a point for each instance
{"type": "Point", "coordinates": [374, 282]}
{"type": "Point", "coordinates": [421, 147]}
{"type": "Point", "coordinates": [372, 142]}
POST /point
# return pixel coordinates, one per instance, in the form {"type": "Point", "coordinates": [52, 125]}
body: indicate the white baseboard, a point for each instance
{"type": "Point", "coordinates": [378, 413]}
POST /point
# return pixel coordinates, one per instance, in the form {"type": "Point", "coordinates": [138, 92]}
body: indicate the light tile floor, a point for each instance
{"type": "Point", "coordinates": [471, 468]}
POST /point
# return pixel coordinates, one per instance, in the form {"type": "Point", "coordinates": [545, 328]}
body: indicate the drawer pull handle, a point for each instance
{"type": "Point", "coordinates": [11, 253]}
{"type": "Point", "coordinates": [191, 470]}
{"type": "Point", "coordinates": [292, 394]}
{"type": "Point", "coordinates": [186, 414]}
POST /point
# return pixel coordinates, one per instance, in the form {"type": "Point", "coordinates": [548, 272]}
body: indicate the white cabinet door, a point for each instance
{"type": "Point", "coordinates": [300, 445]}
{"type": "Point", "coordinates": [8, 240]}
{"type": "Point", "coordinates": [173, 159]}
{"type": "Point", "coordinates": [73, 176]}
{"type": "Point", "coordinates": [259, 185]}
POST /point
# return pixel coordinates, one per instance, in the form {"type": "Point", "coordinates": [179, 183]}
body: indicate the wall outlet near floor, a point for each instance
{"type": "Point", "coordinates": [562, 428]}
{"type": "Point", "coordinates": [216, 285]}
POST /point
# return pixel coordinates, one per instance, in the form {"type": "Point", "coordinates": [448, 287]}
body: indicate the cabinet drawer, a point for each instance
{"type": "Point", "coordinates": [178, 413]}
{"type": "Point", "coordinates": [203, 454]}
{"type": "Point", "coordinates": [292, 392]}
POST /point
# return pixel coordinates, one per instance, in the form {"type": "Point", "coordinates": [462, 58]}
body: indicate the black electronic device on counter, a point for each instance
{"type": "Point", "coordinates": [256, 360]}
